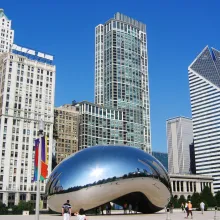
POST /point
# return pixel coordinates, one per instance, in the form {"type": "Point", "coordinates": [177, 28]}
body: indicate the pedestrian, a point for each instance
{"type": "Point", "coordinates": [171, 207]}
{"type": "Point", "coordinates": [102, 209]}
{"type": "Point", "coordinates": [202, 207]}
{"type": "Point", "coordinates": [109, 208]}
{"type": "Point", "coordinates": [81, 215]}
{"type": "Point", "coordinates": [186, 207]}
{"type": "Point", "coordinates": [182, 207]}
{"type": "Point", "coordinates": [66, 210]}
{"type": "Point", "coordinates": [130, 208]}
{"type": "Point", "coordinates": [189, 209]}
{"type": "Point", "coordinates": [106, 209]}
{"type": "Point", "coordinates": [136, 208]}
{"type": "Point", "coordinates": [125, 208]}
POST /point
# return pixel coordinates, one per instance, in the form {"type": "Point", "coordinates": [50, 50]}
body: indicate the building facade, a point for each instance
{"type": "Point", "coordinates": [27, 85]}
{"type": "Point", "coordinates": [100, 125]}
{"type": "Point", "coordinates": [121, 75]}
{"type": "Point", "coordinates": [179, 137]}
{"type": "Point", "coordinates": [192, 159]}
{"type": "Point", "coordinates": [186, 185]}
{"type": "Point", "coordinates": [66, 124]}
{"type": "Point", "coordinates": [162, 157]}
{"type": "Point", "coordinates": [6, 33]}
{"type": "Point", "coordinates": [204, 83]}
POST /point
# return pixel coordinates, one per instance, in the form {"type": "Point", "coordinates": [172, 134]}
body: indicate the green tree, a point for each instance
{"type": "Point", "coordinates": [206, 195]}
{"type": "Point", "coordinates": [181, 200]}
{"type": "Point", "coordinates": [195, 199]}
{"type": "Point", "coordinates": [173, 202]}
{"type": "Point", "coordinates": [217, 197]}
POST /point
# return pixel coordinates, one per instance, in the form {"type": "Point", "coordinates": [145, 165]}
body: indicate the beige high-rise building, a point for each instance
{"type": "Point", "coordinates": [66, 127]}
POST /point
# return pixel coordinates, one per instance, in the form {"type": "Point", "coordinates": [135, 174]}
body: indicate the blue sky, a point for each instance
{"type": "Point", "coordinates": [177, 32]}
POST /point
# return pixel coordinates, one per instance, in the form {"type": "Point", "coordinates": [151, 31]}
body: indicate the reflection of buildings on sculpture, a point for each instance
{"type": "Point", "coordinates": [188, 184]}
{"type": "Point", "coordinates": [162, 157]}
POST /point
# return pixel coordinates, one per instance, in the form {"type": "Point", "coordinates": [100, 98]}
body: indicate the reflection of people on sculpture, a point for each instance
{"type": "Point", "coordinates": [81, 215]}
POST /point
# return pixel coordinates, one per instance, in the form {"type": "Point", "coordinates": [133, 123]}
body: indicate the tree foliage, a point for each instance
{"type": "Point", "coordinates": [206, 195]}
{"type": "Point", "coordinates": [173, 202]}
{"type": "Point", "coordinates": [181, 200]}
{"type": "Point", "coordinates": [217, 198]}
{"type": "Point", "coordinates": [3, 209]}
{"type": "Point", "coordinates": [195, 200]}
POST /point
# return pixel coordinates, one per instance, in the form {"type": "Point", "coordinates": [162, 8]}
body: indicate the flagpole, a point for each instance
{"type": "Point", "coordinates": [41, 133]}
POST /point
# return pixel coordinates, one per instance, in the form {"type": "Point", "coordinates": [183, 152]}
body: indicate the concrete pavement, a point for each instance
{"type": "Point", "coordinates": [209, 215]}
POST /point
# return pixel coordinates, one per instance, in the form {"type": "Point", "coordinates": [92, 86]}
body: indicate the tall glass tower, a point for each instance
{"type": "Point", "coordinates": [121, 75]}
{"type": "Point", "coordinates": [204, 82]}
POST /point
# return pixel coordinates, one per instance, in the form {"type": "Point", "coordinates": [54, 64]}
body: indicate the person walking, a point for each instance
{"type": "Point", "coordinates": [186, 208]}
{"type": "Point", "coordinates": [182, 207]}
{"type": "Point", "coordinates": [81, 215]}
{"type": "Point", "coordinates": [66, 210]}
{"type": "Point", "coordinates": [202, 207]}
{"type": "Point", "coordinates": [189, 209]}
{"type": "Point", "coordinates": [136, 208]}
{"type": "Point", "coordinates": [125, 208]}
{"type": "Point", "coordinates": [130, 208]}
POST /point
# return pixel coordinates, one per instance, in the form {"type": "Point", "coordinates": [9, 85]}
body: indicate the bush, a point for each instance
{"type": "Point", "coordinates": [23, 206]}
{"type": "Point", "coordinates": [3, 209]}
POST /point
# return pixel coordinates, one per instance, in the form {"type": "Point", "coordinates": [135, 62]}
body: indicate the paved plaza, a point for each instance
{"type": "Point", "coordinates": [157, 216]}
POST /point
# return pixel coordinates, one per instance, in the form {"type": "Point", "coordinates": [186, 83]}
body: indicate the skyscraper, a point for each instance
{"type": "Point", "coordinates": [99, 125]}
{"type": "Point", "coordinates": [66, 125]}
{"type": "Point", "coordinates": [27, 95]}
{"type": "Point", "coordinates": [121, 75]}
{"type": "Point", "coordinates": [6, 33]}
{"type": "Point", "coordinates": [179, 137]}
{"type": "Point", "coordinates": [204, 83]}
{"type": "Point", "coordinates": [27, 92]}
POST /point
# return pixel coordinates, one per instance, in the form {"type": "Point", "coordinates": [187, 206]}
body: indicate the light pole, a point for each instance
{"type": "Point", "coordinates": [41, 134]}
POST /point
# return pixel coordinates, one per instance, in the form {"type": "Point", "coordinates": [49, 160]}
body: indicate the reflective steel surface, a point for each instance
{"type": "Point", "coordinates": [101, 174]}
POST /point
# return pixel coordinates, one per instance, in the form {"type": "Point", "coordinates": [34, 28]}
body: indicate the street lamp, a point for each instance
{"type": "Point", "coordinates": [41, 134]}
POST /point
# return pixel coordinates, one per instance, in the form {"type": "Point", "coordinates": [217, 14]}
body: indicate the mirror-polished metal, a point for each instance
{"type": "Point", "coordinates": [97, 175]}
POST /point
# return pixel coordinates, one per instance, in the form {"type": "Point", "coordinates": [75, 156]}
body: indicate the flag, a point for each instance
{"type": "Point", "coordinates": [36, 149]}
{"type": "Point", "coordinates": [44, 160]}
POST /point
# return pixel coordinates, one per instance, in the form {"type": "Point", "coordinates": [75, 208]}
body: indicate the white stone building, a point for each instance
{"type": "Point", "coordinates": [27, 87]}
{"type": "Point", "coordinates": [6, 33]}
{"type": "Point", "coordinates": [179, 137]}
{"type": "Point", "coordinates": [186, 185]}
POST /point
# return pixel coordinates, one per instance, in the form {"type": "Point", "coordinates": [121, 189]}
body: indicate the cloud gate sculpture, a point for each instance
{"type": "Point", "coordinates": [101, 174]}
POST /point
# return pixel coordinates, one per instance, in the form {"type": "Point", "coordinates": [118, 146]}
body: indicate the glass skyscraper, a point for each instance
{"type": "Point", "coordinates": [121, 75]}
{"type": "Point", "coordinates": [204, 82]}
